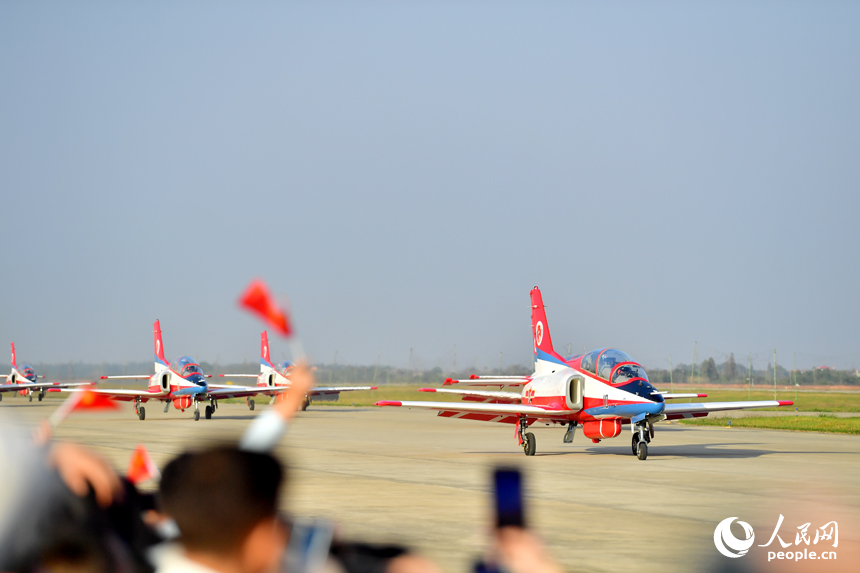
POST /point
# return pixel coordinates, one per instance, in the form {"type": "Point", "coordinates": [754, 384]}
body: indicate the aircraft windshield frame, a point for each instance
{"type": "Point", "coordinates": [609, 359]}
{"type": "Point", "coordinates": [186, 366]}
{"type": "Point", "coordinates": [630, 370]}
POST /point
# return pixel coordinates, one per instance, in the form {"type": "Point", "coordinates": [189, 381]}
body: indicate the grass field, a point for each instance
{"type": "Point", "coordinates": [805, 402]}
{"type": "Point", "coordinates": [829, 424]}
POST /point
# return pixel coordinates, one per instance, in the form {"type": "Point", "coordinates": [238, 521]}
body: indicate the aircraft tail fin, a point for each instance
{"type": "Point", "coordinates": [543, 349]}
{"type": "Point", "coordinates": [160, 361]}
{"type": "Point", "coordinates": [265, 357]}
{"type": "Point", "coordinates": [14, 365]}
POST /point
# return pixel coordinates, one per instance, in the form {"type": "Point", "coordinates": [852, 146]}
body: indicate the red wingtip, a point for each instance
{"type": "Point", "coordinates": [427, 389]}
{"type": "Point", "coordinates": [785, 403]}
{"type": "Point", "coordinates": [701, 395]}
{"type": "Point", "coordinates": [374, 387]}
{"type": "Point", "coordinates": [448, 380]}
{"type": "Point", "coordinates": [220, 376]}
{"type": "Point", "coordinates": [473, 377]}
{"type": "Point", "coordinates": [388, 403]}
{"type": "Point", "coordinates": [103, 377]}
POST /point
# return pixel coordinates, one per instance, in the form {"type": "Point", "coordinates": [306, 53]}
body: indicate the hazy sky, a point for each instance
{"type": "Point", "coordinates": [406, 172]}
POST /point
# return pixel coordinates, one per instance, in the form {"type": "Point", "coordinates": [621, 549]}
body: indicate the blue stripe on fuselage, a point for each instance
{"type": "Point", "coordinates": [626, 410]}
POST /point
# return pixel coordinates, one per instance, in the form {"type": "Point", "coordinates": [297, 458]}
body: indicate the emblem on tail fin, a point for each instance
{"type": "Point", "coordinates": [538, 333]}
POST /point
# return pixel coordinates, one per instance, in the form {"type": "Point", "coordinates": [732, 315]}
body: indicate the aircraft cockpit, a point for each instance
{"type": "Point", "coordinates": [621, 371]}
{"type": "Point", "coordinates": [28, 372]}
{"type": "Point", "coordinates": [189, 369]}
{"type": "Point", "coordinates": [283, 368]}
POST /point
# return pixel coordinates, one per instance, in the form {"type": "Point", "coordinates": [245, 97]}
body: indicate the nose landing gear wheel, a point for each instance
{"type": "Point", "coordinates": [305, 404]}
{"type": "Point", "coordinates": [41, 396]}
{"type": "Point", "coordinates": [196, 415]}
{"type": "Point", "coordinates": [208, 412]}
{"type": "Point", "coordinates": [141, 413]}
{"type": "Point", "coordinates": [642, 451]}
{"type": "Point", "coordinates": [529, 444]}
{"type": "Point", "coordinates": [31, 397]}
{"type": "Point", "coordinates": [251, 405]}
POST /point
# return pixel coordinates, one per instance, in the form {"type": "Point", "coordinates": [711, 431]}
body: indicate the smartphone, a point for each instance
{"type": "Point", "coordinates": [310, 542]}
{"type": "Point", "coordinates": [509, 498]}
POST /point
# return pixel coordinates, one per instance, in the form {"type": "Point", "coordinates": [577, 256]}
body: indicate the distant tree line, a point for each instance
{"type": "Point", "coordinates": [731, 372]}
{"type": "Point", "coordinates": [709, 371]}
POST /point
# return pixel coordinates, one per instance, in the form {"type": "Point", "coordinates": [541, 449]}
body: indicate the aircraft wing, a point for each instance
{"type": "Point", "coordinates": [480, 395]}
{"type": "Point", "coordinates": [223, 392]}
{"type": "Point", "coordinates": [124, 395]}
{"type": "Point", "coordinates": [238, 375]}
{"type": "Point", "coordinates": [500, 381]}
{"type": "Point", "coordinates": [321, 391]}
{"type": "Point", "coordinates": [508, 413]}
{"type": "Point", "coordinates": [40, 386]}
{"type": "Point", "coordinates": [700, 409]}
{"type": "Point", "coordinates": [670, 396]}
{"type": "Point", "coordinates": [132, 377]}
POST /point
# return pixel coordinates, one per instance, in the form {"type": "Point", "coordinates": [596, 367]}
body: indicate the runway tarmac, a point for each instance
{"type": "Point", "coordinates": [408, 476]}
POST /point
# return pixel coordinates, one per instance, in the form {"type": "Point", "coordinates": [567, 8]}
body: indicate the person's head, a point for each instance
{"type": "Point", "coordinates": [225, 503]}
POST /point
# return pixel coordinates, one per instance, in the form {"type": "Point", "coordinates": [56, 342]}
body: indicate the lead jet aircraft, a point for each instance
{"type": "Point", "coordinates": [182, 383]}
{"type": "Point", "coordinates": [25, 381]}
{"type": "Point", "coordinates": [277, 376]}
{"type": "Point", "coordinates": [598, 391]}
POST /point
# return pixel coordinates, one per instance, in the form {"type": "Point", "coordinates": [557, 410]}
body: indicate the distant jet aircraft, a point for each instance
{"type": "Point", "coordinates": [25, 381]}
{"type": "Point", "coordinates": [278, 377]}
{"type": "Point", "coordinates": [600, 391]}
{"type": "Point", "coordinates": [182, 383]}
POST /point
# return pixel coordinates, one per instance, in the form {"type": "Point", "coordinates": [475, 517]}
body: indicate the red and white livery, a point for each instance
{"type": "Point", "coordinates": [278, 377]}
{"type": "Point", "coordinates": [25, 381]}
{"type": "Point", "coordinates": [598, 391]}
{"type": "Point", "coordinates": [181, 383]}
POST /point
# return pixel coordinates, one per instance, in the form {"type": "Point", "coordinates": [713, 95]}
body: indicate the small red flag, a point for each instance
{"type": "Point", "coordinates": [81, 400]}
{"type": "Point", "coordinates": [141, 467]}
{"type": "Point", "coordinates": [257, 299]}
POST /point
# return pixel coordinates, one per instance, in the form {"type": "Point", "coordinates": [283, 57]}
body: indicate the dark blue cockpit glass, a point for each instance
{"type": "Point", "coordinates": [608, 360]}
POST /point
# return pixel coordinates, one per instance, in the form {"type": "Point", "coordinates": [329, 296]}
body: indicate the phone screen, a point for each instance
{"type": "Point", "coordinates": [509, 498]}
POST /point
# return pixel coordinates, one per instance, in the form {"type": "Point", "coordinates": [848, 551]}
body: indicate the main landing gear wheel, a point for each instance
{"type": "Point", "coordinates": [196, 415]}
{"type": "Point", "coordinates": [141, 413]}
{"type": "Point", "coordinates": [41, 396]}
{"type": "Point", "coordinates": [529, 444]}
{"type": "Point", "coordinates": [31, 396]}
{"type": "Point", "coordinates": [251, 405]}
{"type": "Point", "coordinates": [642, 451]}
{"type": "Point", "coordinates": [305, 404]}
{"type": "Point", "coordinates": [208, 412]}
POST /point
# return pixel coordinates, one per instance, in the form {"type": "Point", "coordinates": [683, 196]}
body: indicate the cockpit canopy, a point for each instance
{"type": "Point", "coordinates": [28, 372]}
{"type": "Point", "coordinates": [604, 361]}
{"type": "Point", "coordinates": [185, 366]}
{"type": "Point", "coordinates": [284, 367]}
